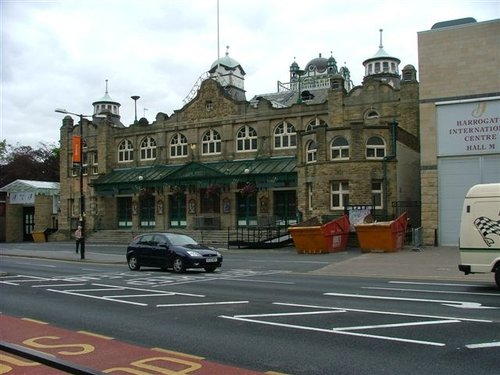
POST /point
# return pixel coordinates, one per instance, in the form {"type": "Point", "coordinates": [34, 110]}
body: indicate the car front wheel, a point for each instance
{"type": "Point", "coordinates": [497, 276]}
{"type": "Point", "coordinates": [179, 265]}
{"type": "Point", "coordinates": [133, 263]}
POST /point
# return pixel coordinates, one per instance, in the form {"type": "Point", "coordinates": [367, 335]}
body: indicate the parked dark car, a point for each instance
{"type": "Point", "coordinates": [171, 250]}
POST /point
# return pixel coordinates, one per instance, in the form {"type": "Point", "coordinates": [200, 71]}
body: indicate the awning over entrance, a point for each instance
{"type": "Point", "coordinates": [270, 172]}
{"type": "Point", "coordinates": [24, 191]}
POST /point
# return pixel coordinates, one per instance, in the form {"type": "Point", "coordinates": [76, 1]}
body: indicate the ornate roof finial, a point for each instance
{"type": "Point", "coordinates": [106, 86]}
{"type": "Point", "coordinates": [227, 50]}
{"type": "Point", "coordinates": [381, 46]}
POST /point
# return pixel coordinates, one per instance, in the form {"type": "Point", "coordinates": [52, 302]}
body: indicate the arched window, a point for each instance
{"type": "Point", "coordinates": [211, 143]}
{"type": "Point", "coordinates": [339, 149]}
{"type": "Point", "coordinates": [313, 123]}
{"type": "Point", "coordinates": [371, 114]}
{"type": "Point", "coordinates": [148, 149]}
{"type": "Point", "coordinates": [285, 136]}
{"type": "Point", "coordinates": [246, 139]}
{"type": "Point", "coordinates": [311, 152]}
{"type": "Point", "coordinates": [178, 146]}
{"type": "Point", "coordinates": [125, 151]}
{"type": "Point", "coordinates": [375, 148]}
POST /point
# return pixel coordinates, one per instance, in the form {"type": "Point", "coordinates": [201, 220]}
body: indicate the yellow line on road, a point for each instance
{"type": "Point", "coordinates": [178, 353]}
{"type": "Point", "coordinates": [96, 335]}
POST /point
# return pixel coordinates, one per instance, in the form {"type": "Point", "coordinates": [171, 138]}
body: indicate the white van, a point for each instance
{"type": "Point", "coordinates": [480, 231]}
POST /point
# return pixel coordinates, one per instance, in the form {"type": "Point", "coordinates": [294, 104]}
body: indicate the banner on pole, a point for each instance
{"type": "Point", "coordinates": [77, 157]}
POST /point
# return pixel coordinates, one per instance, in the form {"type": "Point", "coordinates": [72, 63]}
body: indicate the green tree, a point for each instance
{"type": "Point", "coordinates": [28, 163]}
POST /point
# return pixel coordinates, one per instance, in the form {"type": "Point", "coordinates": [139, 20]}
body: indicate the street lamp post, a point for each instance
{"type": "Point", "coordinates": [82, 196]}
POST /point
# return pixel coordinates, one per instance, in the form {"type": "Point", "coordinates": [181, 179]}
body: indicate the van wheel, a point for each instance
{"type": "Point", "coordinates": [497, 276]}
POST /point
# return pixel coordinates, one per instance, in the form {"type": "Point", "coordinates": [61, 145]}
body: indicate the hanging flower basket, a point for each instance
{"type": "Point", "coordinates": [248, 189]}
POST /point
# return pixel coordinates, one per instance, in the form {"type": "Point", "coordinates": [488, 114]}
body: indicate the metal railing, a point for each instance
{"type": "Point", "coordinates": [259, 237]}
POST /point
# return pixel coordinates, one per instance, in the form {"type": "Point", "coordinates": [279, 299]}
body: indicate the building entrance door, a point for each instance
{"type": "Point", "coordinates": [177, 210]}
{"type": "Point", "coordinates": [247, 210]}
{"type": "Point", "coordinates": [124, 212]}
{"type": "Point", "coordinates": [28, 223]}
{"type": "Point", "coordinates": [285, 207]}
{"type": "Point", "coordinates": [147, 212]}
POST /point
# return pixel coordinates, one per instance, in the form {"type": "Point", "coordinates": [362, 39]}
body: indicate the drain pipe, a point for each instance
{"type": "Point", "coordinates": [394, 136]}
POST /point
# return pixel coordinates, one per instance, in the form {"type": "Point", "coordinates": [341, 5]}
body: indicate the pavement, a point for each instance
{"type": "Point", "coordinates": [427, 263]}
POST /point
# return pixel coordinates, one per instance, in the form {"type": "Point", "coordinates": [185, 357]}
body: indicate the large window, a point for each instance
{"type": "Point", "coordinates": [375, 148]}
{"type": "Point", "coordinates": [178, 146]}
{"type": "Point", "coordinates": [285, 136]}
{"type": "Point", "coordinates": [92, 159]}
{"type": "Point", "coordinates": [377, 192]}
{"type": "Point", "coordinates": [339, 149]}
{"type": "Point", "coordinates": [125, 151]}
{"type": "Point", "coordinates": [211, 142]}
{"type": "Point", "coordinates": [311, 152]}
{"type": "Point", "coordinates": [246, 139]}
{"type": "Point", "coordinates": [148, 149]}
{"type": "Point", "coordinates": [339, 194]}
{"type": "Point", "coordinates": [313, 123]}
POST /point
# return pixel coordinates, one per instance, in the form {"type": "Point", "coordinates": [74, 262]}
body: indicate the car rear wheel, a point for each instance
{"type": "Point", "coordinates": [210, 268]}
{"type": "Point", "coordinates": [133, 263]}
{"type": "Point", "coordinates": [179, 265]}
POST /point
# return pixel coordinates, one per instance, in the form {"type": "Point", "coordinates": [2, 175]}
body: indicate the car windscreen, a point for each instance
{"type": "Point", "coordinates": [180, 239]}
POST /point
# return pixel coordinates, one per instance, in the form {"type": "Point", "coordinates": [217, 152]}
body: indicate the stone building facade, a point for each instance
{"type": "Point", "coordinates": [459, 119]}
{"type": "Point", "coordinates": [31, 210]}
{"type": "Point", "coordinates": [313, 149]}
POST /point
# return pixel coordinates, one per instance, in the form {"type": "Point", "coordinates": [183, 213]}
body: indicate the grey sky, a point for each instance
{"type": "Point", "coordinates": [59, 53]}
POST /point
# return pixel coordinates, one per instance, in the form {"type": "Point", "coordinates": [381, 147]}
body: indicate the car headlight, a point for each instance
{"type": "Point", "coordinates": [194, 253]}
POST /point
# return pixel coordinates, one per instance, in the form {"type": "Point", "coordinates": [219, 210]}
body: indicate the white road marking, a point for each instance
{"type": "Point", "coordinates": [37, 264]}
{"type": "Point", "coordinates": [260, 281]}
{"type": "Point", "coordinates": [384, 312]}
{"type": "Point", "coordinates": [121, 298]}
{"type": "Point", "coordinates": [294, 313]}
{"type": "Point", "coordinates": [395, 325]}
{"type": "Point", "coordinates": [324, 330]}
{"type": "Point", "coordinates": [202, 304]}
{"type": "Point", "coordinates": [430, 291]}
{"type": "Point", "coordinates": [436, 284]}
{"type": "Point", "coordinates": [461, 304]}
{"type": "Point", "coordinates": [15, 280]}
{"type": "Point", "coordinates": [260, 319]}
{"type": "Point", "coordinates": [484, 345]}
{"type": "Point", "coordinates": [55, 285]}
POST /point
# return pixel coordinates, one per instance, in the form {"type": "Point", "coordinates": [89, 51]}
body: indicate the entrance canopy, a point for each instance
{"type": "Point", "coordinates": [269, 172]}
{"type": "Point", "coordinates": [24, 191]}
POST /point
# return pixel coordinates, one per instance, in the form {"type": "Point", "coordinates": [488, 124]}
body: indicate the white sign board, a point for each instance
{"type": "Point", "coordinates": [22, 198]}
{"type": "Point", "coordinates": [468, 128]}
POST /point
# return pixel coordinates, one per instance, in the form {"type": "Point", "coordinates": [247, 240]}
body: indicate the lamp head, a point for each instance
{"type": "Point", "coordinates": [61, 110]}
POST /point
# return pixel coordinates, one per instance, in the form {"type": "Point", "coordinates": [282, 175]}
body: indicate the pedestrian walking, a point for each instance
{"type": "Point", "coordinates": [78, 237]}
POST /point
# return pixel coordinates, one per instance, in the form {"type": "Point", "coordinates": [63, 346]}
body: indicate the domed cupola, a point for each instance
{"type": "Point", "coordinates": [106, 105]}
{"type": "Point", "coordinates": [383, 66]}
{"type": "Point", "coordinates": [230, 74]}
{"type": "Point", "coordinates": [317, 65]}
{"type": "Point", "coordinates": [294, 70]}
{"type": "Point", "coordinates": [332, 65]}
